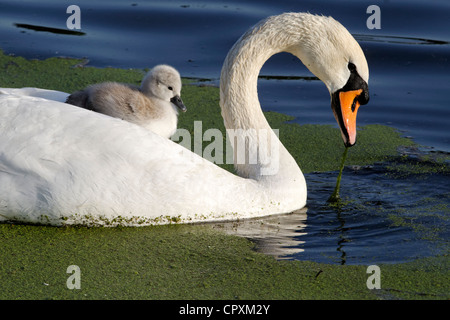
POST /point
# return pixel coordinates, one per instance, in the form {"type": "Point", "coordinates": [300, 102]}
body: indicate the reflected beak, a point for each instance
{"type": "Point", "coordinates": [179, 103]}
{"type": "Point", "coordinates": [345, 106]}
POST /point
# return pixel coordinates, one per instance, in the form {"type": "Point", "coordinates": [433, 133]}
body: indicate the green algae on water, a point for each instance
{"type": "Point", "coordinates": [189, 261]}
{"type": "Point", "coordinates": [335, 197]}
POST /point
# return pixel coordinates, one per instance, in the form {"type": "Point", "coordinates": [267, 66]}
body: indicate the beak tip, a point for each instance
{"type": "Point", "coordinates": [176, 100]}
{"type": "Point", "coordinates": [350, 142]}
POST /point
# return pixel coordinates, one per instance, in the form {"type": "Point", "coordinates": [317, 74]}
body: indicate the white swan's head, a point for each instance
{"type": "Point", "coordinates": [330, 52]}
{"type": "Point", "coordinates": [324, 46]}
{"type": "Point", "coordinates": [164, 82]}
{"type": "Point", "coordinates": [333, 55]}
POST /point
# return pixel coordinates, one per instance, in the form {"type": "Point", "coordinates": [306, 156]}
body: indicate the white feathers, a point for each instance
{"type": "Point", "coordinates": [60, 164]}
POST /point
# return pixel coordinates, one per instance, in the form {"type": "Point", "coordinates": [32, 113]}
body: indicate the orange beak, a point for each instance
{"type": "Point", "coordinates": [345, 103]}
{"type": "Point", "coordinates": [349, 108]}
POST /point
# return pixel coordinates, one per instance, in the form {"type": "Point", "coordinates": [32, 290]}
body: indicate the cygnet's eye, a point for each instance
{"type": "Point", "coordinates": [170, 88]}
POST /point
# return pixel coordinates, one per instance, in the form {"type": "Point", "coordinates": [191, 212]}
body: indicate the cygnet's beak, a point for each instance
{"type": "Point", "coordinates": [176, 100]}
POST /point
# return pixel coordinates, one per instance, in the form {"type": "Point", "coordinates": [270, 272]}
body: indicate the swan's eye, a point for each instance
{"type": "Point", "coordinates": [351, 67]}
{"type": "Point", "coordinates": [170, 88]}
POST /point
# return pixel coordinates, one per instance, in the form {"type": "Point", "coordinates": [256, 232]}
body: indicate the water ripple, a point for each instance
{"type": "Point", "coordinates": [388, 215]}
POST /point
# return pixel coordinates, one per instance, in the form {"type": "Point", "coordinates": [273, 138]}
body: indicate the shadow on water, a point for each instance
{"type": "Point", "coordinates": [343, 237]}
{"type": "Point", "coordinates": [388, 213]}
{"type": "Point", "coordinates": [398, 40]}
{"type": "Point", "coordinates": [49, 29]}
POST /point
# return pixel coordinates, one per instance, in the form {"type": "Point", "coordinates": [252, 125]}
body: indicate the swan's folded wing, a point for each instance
{"type": "Point", "coordinates": [36, 92]}
{"type": "Point", "coordinates": [59, 161]}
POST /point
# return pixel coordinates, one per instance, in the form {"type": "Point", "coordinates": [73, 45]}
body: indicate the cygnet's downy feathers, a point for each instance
{"type": "Point", "coordinates": [153, 105]}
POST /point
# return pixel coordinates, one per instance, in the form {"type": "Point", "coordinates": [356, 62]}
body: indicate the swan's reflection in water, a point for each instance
{"type": "Point", "coordinates": [275, 235]}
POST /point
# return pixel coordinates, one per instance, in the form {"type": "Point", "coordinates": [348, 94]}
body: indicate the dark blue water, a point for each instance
{"type": "Point", "coordinates": [385, 217]}
{"type": "Point", "coordinates": [409, 85]}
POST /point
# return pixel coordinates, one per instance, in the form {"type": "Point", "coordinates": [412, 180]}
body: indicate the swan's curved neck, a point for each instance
{"type": "Point", "coordinates": [239, 97]}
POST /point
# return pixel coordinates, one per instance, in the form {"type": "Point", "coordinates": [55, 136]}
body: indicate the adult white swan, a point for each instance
{"type": "Point", "coordinates": [60, 164]}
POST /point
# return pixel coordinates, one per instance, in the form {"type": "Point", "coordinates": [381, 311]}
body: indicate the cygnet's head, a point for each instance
{"type": "Point", "coordinates": [164, 82]}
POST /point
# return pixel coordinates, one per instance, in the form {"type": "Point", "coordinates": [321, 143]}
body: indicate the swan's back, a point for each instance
{"type": "Point", "coordinates": [62, 164]}
{"type": "Point", "coordinates": [36, 92]}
